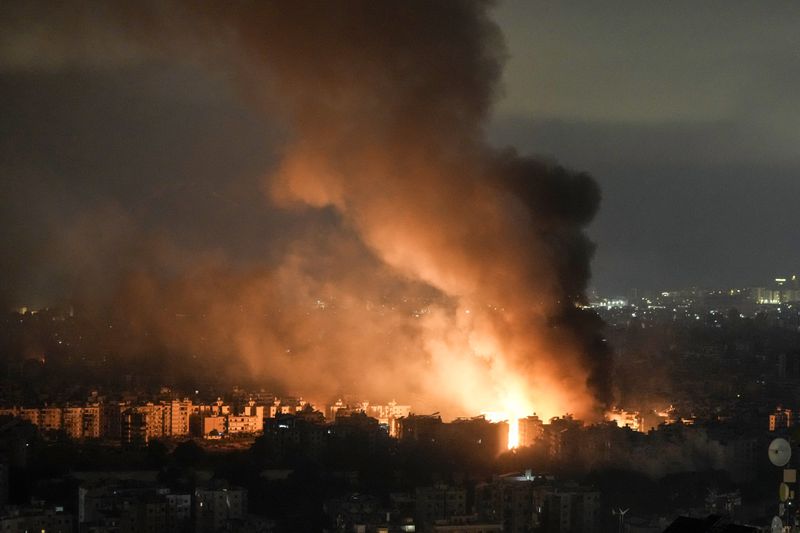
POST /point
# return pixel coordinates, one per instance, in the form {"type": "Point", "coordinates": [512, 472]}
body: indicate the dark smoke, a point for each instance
{"type": "Point", "coordinates": [384, 106]}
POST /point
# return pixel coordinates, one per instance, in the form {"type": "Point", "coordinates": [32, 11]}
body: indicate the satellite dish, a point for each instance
{"type": "Point", "coordinates": [780, 451]}
{"type": "Point", "coordinates": [783, 492]}
{"type": "Point", "coordinates": [777, 525]}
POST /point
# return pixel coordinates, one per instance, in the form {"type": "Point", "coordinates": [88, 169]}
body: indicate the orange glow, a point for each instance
{"type": "Point", "coordinates": [491, 379]}
{"type": "Point", "coordinates": [623, 418]}
{"type": "Point", "coordinates": [513, 426]}
{"type": "Point", "coordinates": [513, 433]}
{"type": "Point", "coordinates": [420, 260]}
{"type": "Point", "coordinates": [515, 408]}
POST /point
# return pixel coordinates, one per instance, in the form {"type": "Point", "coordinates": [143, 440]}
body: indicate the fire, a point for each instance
{"type": "Point", "coordinates": [513, 433]}
{"type": "Point", "coordinates": [513, 425]}
{"type": "Point", "coordinates": [516, 407]}
{"type": "Point", "coordinates": [622, 418]}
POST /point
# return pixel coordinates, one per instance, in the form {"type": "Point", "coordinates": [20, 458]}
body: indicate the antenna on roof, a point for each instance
{"type": "Point", "coordinates": [621, 513]}
{"type": "Point", "coordinates": [780, 453]}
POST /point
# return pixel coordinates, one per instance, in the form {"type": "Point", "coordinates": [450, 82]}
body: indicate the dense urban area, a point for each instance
{"type": "Point", "coordinates": [91, 441]}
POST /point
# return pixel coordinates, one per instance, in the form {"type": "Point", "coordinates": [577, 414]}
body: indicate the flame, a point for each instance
{"type": "Point", "coordinates": [622, 418]}
{"type": "Point", "coordinates": [488, 382]}
{"type": "Point", "coordinates": [515, 407]}
{"type": "Point", "coordinates": [513, 425]}
{"type": "Point", "coordinates": [513, 433]}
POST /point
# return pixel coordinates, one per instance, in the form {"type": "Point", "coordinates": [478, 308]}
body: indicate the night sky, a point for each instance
{"type": "Point", "coordinates": [687, 117]}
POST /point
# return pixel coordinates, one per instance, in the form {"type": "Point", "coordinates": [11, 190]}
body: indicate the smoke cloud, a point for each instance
{"type": "Point", "coordinates": [449, 273]}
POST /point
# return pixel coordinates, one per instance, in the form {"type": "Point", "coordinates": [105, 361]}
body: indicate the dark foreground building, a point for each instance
{"type": "Point", "coordinates": [711, 524]}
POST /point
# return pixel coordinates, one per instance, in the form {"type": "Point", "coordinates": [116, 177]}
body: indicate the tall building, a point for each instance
{"type": "Point", "coordinates": [219, 508]}
{"type": "Point", "coordinates": [147, 512]}
{"type": "Point", "coordinates": [563, 436]}
{"type": "Point", "coordinates": [50, 419]}
{"type": "Point", "coordinates": [177, 413]}
{"type": "Point", "coordinates": [237, 424]}
{"type": "Point", "coordinates": [421, 428]}
{"type": "Point", "coordinates": [91, 422]}
{"type": "Point", "coordinates": [132, 506]}
{"type": "Point", "coordinates": [780, 419]}
{"type": "Point", "coordinates": [157, 419]}
{"type": "Point", "coordinates": [111, 420]}
{"type": "Point", "coordinates": [389, 414]}
{"type": "Point", "coordinates": [253, 409]}
{"type": "Point", "coordinates": [509, 500]}
{"type": "Point", "coordinates": [179, 511]}
{"type": "Point", "coordinates": [440, 502]}
{"type": "Point", "coordinates": [32, 416]}
{"type": "Point", "coordinates": [134, 427]}
{"type": "Point", "coordinates": [72, 418]}
{"type": "Point", "coordinates": [573, 510]}
{"type": "Point", "coordinates": [36, 519]}
{"type": "Point", "coordinates": [217, 420]}
{"type": "Point", "coordinates": [477, 435]}
{"type": "Point", "coordinates": [76, 422]}
{"type": "Point", "coordinates": [334, 409]}
{"type": "Point", "coordinates": [531, 429]}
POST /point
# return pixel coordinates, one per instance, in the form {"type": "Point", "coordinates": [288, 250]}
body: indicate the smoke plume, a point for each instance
{"type": "Point", "coordinates": [451, 274]}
